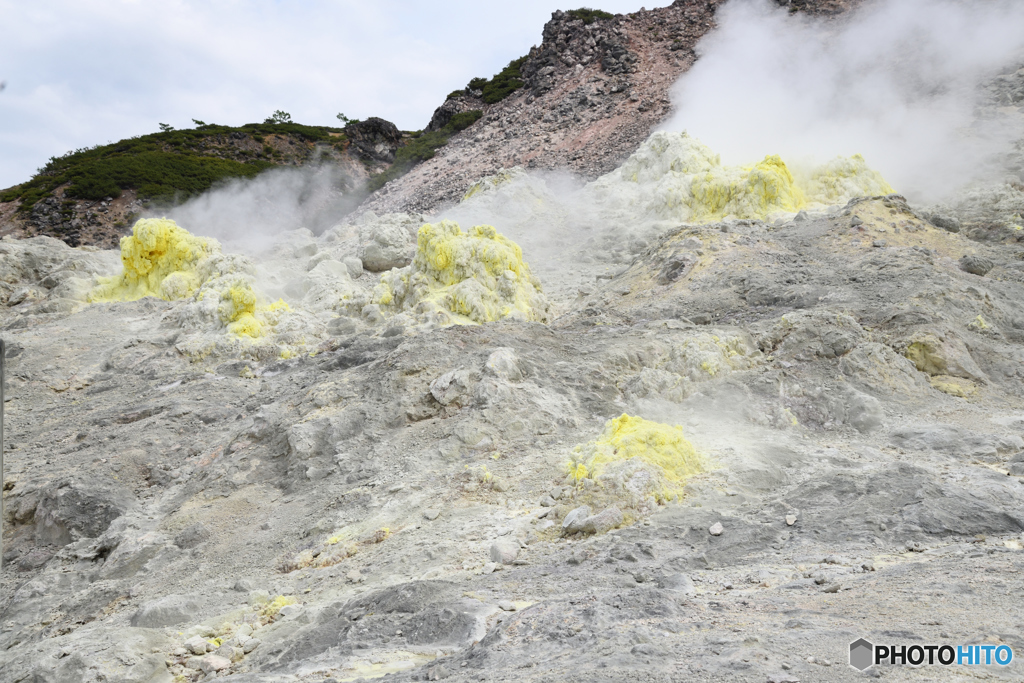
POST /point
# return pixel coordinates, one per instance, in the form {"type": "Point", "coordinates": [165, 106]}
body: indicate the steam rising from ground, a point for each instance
{"type": "Point", "coordinates": [249, 214]}
{"type": "Point", "coordinates": [896, 82]}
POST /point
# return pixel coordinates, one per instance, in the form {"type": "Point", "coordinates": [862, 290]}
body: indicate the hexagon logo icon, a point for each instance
{"type": "Point", "coordinates": [861, 654]}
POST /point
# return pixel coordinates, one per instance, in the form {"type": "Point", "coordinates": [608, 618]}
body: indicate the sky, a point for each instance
{"type": "Point", "coordinates": [84, 72]}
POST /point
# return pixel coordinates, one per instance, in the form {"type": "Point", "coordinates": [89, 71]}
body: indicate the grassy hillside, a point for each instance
{"type": "Point", "coordinates": [173, 164]}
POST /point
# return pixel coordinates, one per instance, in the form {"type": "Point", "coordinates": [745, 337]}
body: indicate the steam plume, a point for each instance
{"type": "Point", "coordinates": [898, 81]}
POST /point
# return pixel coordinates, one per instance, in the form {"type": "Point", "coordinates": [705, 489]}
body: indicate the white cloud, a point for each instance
{"type": "Point", "coordinates": [84, 72]}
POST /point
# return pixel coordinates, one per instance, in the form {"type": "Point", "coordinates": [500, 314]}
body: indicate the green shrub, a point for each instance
{"type": "Point", "coordinates": [589, 16]}
{"type": "Point", "coordinates": [455, 93]}
{"type": "Point", "coordinates": [477, 84]}
{"type": "Point", "coordinates": [465, 119]}
{"type": "Point", "coordinates": [504, 83]}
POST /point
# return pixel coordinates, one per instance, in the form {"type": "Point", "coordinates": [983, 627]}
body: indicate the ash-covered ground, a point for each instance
{"type": "Point", "coordinates": [358, 454]}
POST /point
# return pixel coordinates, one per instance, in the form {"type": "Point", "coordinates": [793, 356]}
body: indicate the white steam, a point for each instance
{"type": "Point", "coordinates": [248, 215]}
{"type": "Point", "coordinates": [897, 81]}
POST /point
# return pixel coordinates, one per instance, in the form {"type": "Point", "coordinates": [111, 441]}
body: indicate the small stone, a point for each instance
{"type": "Point", "coordinates": [290, 610]}
{"type": "Point", "coordinates": [500, 485]}
{"type": "Point", "coordinates": [489, 568]}
{"type": "Point", "coordinates": [547, 501]}
{"type": "Point", "coordinates": [507, 605]}
{"type": "Point", "coordinates": [856, 220]}
{"type": "Point", "coordinates": [258, 598]}
{"type": "Point", "coordinates": [354, 266]}
{"type": "Point", "coordinates": [573, 521]}
{"type": "Point", "coordinates": [196, 645]}
{"type": "Point", "coordinates": [976, 265]}
{"type": "Point", "coordinates": [800, 217]}
{"type": "Point", "coordinates": [716, 529]}
{"type": "Point", "coordinates": [250, 645]}
{"type": "Point", "coordinates": [354, 576]}
{"type": "Point", "coordinates": [225, 651]}
{"type": "Point", "coordinates": [677, 582]}
{"type": "Point", "coordinates": [211, 663]}
{"type": "Point", "coordinates": [242, 586]}
{"type": "Point", "coordinates": [504, 551]}
{"type": "Point", "coordinates": [431, 514]}
{"type": "Point", "coordinates": [790, 520]}
{"type": "Point", "coordinates": [603, 521]}
{"type": "Point", "coordinates": [878, 243]}
{"type": "Point", "coordinates": [244, 630]}
{"type": "Point", "coordinates": [834, 588]}
{"type": "Point", "coordinates": [555, 493]}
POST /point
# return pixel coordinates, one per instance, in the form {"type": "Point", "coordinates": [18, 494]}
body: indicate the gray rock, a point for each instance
{"type": "Point", "coordinates": [197, 645]}
{"type": "Point", "coordinates": [167, 611]}
{"type": "Point", "coordinates": [191, 536]}
{"type": "Point", "coordinates": [976, 265]}
{"type": "Point", "coordinates": [800, 217]}
{"type": "Point", "coordinates": [677, 582]}
{"type": "Point", "coordinates": [431, 514]}
{"type": "Point", "coordinates": [506, 605]}
{"type": "Point", "coordinates": [604, 521]}
{"type": "Point", "coordinates": [243, 586]}
{"type": "Point", "coordinates": [573, 521]}
{"type": "Point", "coordinates": [947, 223]}
{"type": "Point", "coordinates": [68, 511]}
{"type": "Point", "coordinates": [354, 265]}
{"type": "Point", "coordinates": [291, 610]}
{"type": "Point", "coordinates": [341, 326]}
{"type": "Point", "coordinates": [259, 597]}
{"type": "Point", "coordinates": [504, 551]}
{"type": "Point", "coordinates": [226, 651]}
{"type": "Point", "coordinates": [212, 663]}
{"type": "Point", "coordinates": [250, 645]}
{"type": "Point", "coordinates": [716, 529]}
{"type": "Point", "coordinates": [547, 502]}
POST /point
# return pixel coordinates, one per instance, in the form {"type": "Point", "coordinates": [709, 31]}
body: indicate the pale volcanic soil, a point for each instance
{"type": "Point", "coordinates": [372, 478]}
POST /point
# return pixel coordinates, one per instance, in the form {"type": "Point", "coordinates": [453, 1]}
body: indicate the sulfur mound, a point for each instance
{"type": "Point", "coordinates": [161, 260]}
{"type": "Point", "coordinates": [463, 278]}
{"type": "Point", "coordinates": [673, 176]}
{"type": "Point", "coordinates": [638, 458]}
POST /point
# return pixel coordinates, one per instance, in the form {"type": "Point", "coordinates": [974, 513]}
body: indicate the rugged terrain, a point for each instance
{"type": "Point", "coordinates": [357, 488]}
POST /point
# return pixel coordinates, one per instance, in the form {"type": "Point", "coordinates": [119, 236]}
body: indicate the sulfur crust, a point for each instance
{"type": "Point", "coordinates": [675, 176]}
{"type": "Point", "coordinates": [160, 260]}
{"type": "Point", "coordinates": [474, 277]}
{"type": "Point", "coordinates": [625, 438]}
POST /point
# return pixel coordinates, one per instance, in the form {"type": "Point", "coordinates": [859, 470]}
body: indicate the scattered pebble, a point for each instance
{"type": "Point", "coordinates": [716, 529]}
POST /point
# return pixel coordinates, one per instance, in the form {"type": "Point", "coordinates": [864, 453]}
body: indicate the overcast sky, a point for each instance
{"type": "Point", "coordinates": [85, 72]}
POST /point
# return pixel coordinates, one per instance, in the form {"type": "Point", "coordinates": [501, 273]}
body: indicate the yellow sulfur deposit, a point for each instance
{"type": "Point", "coordinates": [673, 176]}
{"type": "Point", "coordinates": [626, 438]}
{"type": "Point", "coordinates": [160, 259]}
{"type": "Point", "coordinates": [163, 260]}
{"type": "Point", "coordinates": [473, 277]}
{"type": "Point", "coordinates": [238, 310]}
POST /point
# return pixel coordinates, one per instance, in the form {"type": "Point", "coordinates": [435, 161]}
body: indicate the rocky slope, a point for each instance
{"type": "Point", "coordinates": [593, 92]}
{"type": "Point", "coordinates": [396, 451]}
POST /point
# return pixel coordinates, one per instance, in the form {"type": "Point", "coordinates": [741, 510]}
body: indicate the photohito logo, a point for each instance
{"type": "Point", "coordinates": [863, 654]}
